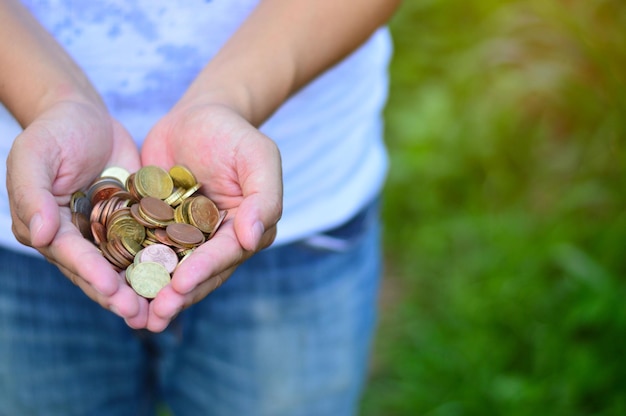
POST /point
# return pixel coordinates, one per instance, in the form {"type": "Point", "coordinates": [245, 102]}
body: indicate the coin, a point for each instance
{"type": "Point", "coordinates": [99, 232]}
{"type": "Point", "coordinates": [176, 197]}
{"type": "Point", "coordinates": [80, 203]}
{"type": "Point", "coordinates": [126, 227]}
{"type": "Point", "coordinates": [151, 216]}
{"type": "Point", "coordinates": [134, 211]}
{"type": "Point", "coordinates": [153, 181]}
{"type": "Point", "coordinates": [103, 188]}
{"type": "Point", "coordinates": [116, 172]}
{"type": "Point", "coordinates": [182, 177]}
{"type": "Point", "coordinates": [82, 223]}
{"type": "Point", "coordinates": [159, 253]}
{"type": "Point", "coordinates": [156, 210]}
{"type": "Point", "coordinates": [189, 192]}
{"type": "Point", "coordinates": [203, 213]}
{"type": "Point", "coordinates": [148, 278]}
{"type": "Point", "coordinates": [185, 234]}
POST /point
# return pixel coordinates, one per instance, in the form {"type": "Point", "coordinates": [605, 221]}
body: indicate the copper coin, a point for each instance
{"type": "Point", "coordinates": [119, 252]}
{"type": "Point", "coordinates": [203, 213]}
{"type": "Point", "coordinates": [104, 248]}
{"type": "Point", "coordinates": [159, 253]}
{"type": "Point", "coordinates": [134, 211]}
{"type": "Point", "coordinates": [219, 222]}
{"type": "Point", "coordinates": [82, 223]}
{"type": "Point", "coordinates": [99, 232]}
{"type": "Point", "coordinates": [156, 209]}
{"type": "Point", "coordinates": [96, 212]}
{"type": "Point", "coordinates": [103, 189]}
{"type": "Point", "coordinates": [185, 234]}
{"type": "Point", "coordinates": [161, 236]}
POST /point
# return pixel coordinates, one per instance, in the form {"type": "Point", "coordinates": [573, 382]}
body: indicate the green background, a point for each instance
{"type": "Point", "coordinates": [504, 211]}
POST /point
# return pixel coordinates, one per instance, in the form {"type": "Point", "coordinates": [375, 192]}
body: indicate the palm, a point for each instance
{"type": "Point", "coordinates": [215, 144]}
{"type": "Point", "coordinates": [239, 169]}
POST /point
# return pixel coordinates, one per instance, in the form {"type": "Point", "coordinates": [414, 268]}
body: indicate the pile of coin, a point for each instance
{"type": "Point", "coordinates": [146, 222]}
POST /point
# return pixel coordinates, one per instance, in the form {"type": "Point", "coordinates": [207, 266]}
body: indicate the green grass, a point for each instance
{"type": "Point", "coordinates": [504, 211]}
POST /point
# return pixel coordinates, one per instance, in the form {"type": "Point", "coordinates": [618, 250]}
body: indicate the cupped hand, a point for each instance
{"type": "Point", "coordinates": [60, 152]}
{"type": "Point", "coordinates": [239, 168]}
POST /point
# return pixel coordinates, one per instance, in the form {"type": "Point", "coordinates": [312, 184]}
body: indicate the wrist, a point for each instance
{"type": "Point", "coordinates": [236, 98]}
{"type": "Point", "coordinates": [252, 87]}
{"type": "Point", "coordinates": [64, 92]}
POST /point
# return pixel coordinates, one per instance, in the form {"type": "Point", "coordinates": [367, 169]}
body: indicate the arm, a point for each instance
{"type": "Point", "coordinates": [67, 140]}
{"type": "Point", "coordinates": [282, 46]}
{"type": "Point", "coordinates": [35, 70]}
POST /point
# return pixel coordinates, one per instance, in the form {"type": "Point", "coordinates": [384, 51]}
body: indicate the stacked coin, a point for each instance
{"type": "Point", "coordinates": [146, 222]}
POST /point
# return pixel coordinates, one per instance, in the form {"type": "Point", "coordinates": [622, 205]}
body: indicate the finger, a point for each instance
{"type": "Point", "coordinates": [261, 207]}
{"type": "Point", "coordinates": [124, 153]}
{"type": "Point", "coordinates": [220, 253]}
{"type": "Point", "coordinates": [124, 302]}
{"type": "Point", "coordinates": [255, 222]}
{"type": "Point", "coordinates": [32, 202]}
{"type": "Point", "coordinates": [82, 258]}
{"type": "Point", "coordinates": [169, 303]}
{"type": "Point", "coordinates": [140, 320]}
{"type": "Point", "coordinates": [152, 151]}
{"type": "Point", "coordinates": [164, 308]}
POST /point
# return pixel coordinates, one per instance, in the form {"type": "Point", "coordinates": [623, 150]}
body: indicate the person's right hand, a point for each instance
{"type": "Point", "coordinates": [63, 150]}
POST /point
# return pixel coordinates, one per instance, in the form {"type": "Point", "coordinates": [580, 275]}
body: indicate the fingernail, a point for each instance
{"type": "Point", "coordinates": [35, 225]}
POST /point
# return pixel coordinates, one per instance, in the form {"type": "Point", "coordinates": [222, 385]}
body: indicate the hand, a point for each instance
{"type": "Point", "coordinates": [61, 151]}
{"type": "Point", "coordinates": [240, 170]}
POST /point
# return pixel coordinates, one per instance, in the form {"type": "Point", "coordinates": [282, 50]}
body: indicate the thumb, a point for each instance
{"type": "Point", "coordinates": [33, 206]}
{"type": "Point", "coordinates": [262, 188]}
{"type": "Point", "coordinates": [42, 217]}
{"type": "Point", "coordinates": [154, 148]}
{"type": "Point", "coordinates": [255, 222]}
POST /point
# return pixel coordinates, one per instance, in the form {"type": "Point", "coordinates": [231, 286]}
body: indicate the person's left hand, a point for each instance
{"type": "Point", "coordinates": [63, 150]}
{"type": "Point", "coordinates": [240, 170]}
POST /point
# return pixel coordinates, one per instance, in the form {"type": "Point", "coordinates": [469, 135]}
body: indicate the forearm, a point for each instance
{"type": "Point", "coordinates": [35, 71]}
{"type": "Point", "coordinates": [282, 46]}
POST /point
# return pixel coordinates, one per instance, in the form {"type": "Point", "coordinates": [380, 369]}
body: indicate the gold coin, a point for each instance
{"type": "Point", "coordinates": [179, 215]}
{"type": "Point", "coordinates": [175, 198]}
{"type": "Point", "coordinates": [128, 272]}
{"type": "Point", "coordinates": [132, 246]}
{"type": "Point", "coordinates": [153, 181]}
{"type": "Point", "coordinates": [182, 177]}
{"type": "Point", "coordinates": [126, 227]}
{"type": "Point", "coordinates": [189, 192]}
{"type": "Point", "coordinates": [148, 278]}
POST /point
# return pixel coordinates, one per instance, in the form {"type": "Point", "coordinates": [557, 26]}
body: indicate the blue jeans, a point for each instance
{"type": "Point", "coordinates": [288, 334]}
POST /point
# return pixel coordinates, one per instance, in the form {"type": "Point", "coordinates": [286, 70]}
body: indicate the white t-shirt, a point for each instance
{"type": "Point", "coordinates": [142, 54]}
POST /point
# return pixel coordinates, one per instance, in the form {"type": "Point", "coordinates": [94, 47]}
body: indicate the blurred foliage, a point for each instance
{"type": "Point", "coordinates": [504, 211]}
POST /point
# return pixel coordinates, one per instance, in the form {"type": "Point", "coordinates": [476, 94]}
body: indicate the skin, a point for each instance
{"type": "Point", "coordinates": [69, 137]}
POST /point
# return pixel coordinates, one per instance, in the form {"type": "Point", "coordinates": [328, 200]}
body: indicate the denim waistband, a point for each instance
{"type": "Point", "coordinates": [342, 237]}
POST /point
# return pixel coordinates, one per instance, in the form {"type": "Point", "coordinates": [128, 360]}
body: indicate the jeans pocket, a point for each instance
{"type": "Point", "coordinates": [342, 238]}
